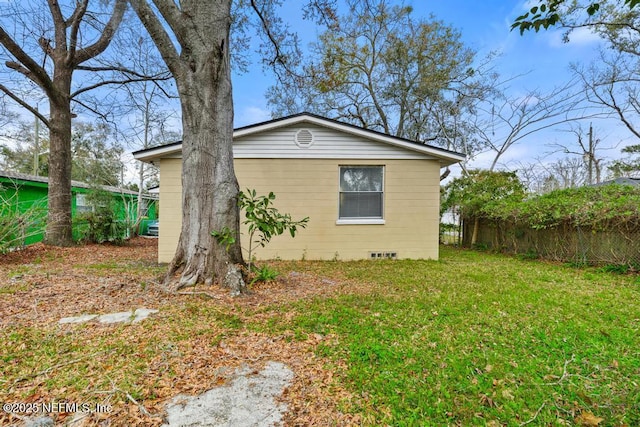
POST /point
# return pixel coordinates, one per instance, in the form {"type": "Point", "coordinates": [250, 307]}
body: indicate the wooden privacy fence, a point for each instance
{"type": "Point", "coordinates": [617, 244]}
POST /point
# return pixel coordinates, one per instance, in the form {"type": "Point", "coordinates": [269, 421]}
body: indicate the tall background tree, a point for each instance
{"type": "Point", "coordinates": [42, 48]}
{"type": "Point", "coordinates": [96, 153]}
{"type": "Point", "coordinates": [379, 67]}
{"type": "Point", "coordinates": [505, 119]}
{"type": "Point", "coordinates": [149, 106]}
{"type": "Point", "coordinates": [611, 82]}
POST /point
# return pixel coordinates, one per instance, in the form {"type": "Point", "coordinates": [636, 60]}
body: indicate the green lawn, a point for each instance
{"type": "Point", "coordinates": [472, 339]}
{"type": "Point", "coordinates": [479, 339]}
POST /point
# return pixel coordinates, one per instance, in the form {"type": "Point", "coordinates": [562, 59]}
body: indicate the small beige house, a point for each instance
{"type": "Point", "coordinates": [367, 194]}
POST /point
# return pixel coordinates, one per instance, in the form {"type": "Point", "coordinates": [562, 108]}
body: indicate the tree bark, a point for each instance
{"type": "Point", "coordinates": [209, 185]}
{"type": "Point", "coordinates": [59, 226]}
{"type": "Point", "coordinates": [476, 227]}
{"type": "Point", "coordinates": [67, 55]}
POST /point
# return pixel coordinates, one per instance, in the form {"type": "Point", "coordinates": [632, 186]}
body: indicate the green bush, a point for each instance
{"type": "Point", "coordinates": [598, 208]}
{"type": "Point", "coordinates": [101, 224]}
{"type": "Point", "coordinates": [499, 196]}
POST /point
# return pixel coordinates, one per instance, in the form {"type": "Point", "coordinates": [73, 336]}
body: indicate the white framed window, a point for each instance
{"type": "Point", "coordinates": [82, 205]}
{"type": "Point", "coordinates": [144, 207]}
{"type": "Point", "coordinates": [361, 198]}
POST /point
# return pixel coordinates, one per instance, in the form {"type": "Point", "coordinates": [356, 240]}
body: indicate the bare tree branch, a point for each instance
{"type": "Point", "coordinates": [59, 25]}
{"type": "Point", "coordinates": [40, 76]}
{"type": "Point", "coordinates": [95, 111]}
{"type": "Point", "coordinates": [111, 83]}
{"type": "Point", "coordinates": [105, 37]}
{"type": "Point", "coordinates": [23, 104]}
{"type": "Point", "coordinates": [179, 21]}
{"type": "Point", "coordinates": [74, 22]}
{"type": "Point", "coordinates": [157, 32]}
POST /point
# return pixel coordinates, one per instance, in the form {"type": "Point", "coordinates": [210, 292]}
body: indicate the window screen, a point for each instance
{"type": "Point", "coordinates": [361, 191]}
{"type": "Point", "coordinates": [82, 205]}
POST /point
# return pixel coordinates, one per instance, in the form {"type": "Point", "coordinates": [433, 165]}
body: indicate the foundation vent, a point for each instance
{"type": "Point", "coordinates": [383, 255]}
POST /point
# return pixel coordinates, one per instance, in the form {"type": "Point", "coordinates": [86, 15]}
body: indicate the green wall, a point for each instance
{"type": "Point", "coordinates": [23, 211]}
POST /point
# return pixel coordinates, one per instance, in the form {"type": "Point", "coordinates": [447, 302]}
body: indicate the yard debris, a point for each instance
{"type": "Point", "coordinates": [58, 283]}
{"type": "Point", "coordinates": [587, 419]}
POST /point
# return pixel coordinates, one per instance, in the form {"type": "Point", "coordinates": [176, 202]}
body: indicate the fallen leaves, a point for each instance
{"type": "Point", "coordinates": [190, 346]}
{"type": "Point", "coordinates": [587, 419]}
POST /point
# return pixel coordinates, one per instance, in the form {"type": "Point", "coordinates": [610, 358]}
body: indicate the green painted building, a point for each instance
{"type": "Point", "coordinates": [23, 208]}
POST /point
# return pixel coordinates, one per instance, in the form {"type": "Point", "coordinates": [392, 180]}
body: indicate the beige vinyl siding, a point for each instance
{"type": "Point", "coordinates": [309, 187]}
{"type": "Point", "coordinates": [170, 208]}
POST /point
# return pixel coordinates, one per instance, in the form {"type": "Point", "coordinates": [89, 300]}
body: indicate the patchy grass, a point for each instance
{"type": "Point", "coordinates": [479, 338]}
{"type": "Point", "coordinates": [473, 339]}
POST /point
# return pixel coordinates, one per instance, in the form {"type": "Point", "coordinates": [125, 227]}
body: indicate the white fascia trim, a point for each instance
{"type": "Point", "coordinates": [150, 156]}
{"type": "Point", "coordinates": [360, 221]}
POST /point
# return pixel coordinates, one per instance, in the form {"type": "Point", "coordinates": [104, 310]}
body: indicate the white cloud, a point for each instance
{"type": "Point", "coordinates": [579, 37]}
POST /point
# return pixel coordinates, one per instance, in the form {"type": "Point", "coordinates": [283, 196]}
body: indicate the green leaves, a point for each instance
{"type": "Point", "coordinates": [224, 237]}
{"type": "Point", "coordinates": [543, 16]}
{"type": "Point", "coordinates": [483, 192]}
{"type": "Point", "coordinates": [631, 3]}
{"type": "Point", "coordinates": [593, 8]}
{"type": "Point", "coordinates": [500, 196]}
{"type": "Point", "coordinates": [264, 222]}
{"type": "Point", "coordinates": [547, 14]}
{"type": "Point", "coordinates": [598, 208]}
{"type": "Point", "coordinates": [264, 219]}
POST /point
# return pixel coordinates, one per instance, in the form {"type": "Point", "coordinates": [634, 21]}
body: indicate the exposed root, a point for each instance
{"type": "Point", "coordinates": [234, 281]}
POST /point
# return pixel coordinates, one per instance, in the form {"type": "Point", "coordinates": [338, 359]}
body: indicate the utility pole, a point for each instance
{"type": "Point", "coordinates": [36, 143]}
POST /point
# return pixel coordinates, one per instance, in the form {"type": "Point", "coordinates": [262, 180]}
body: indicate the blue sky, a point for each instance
{"type": "Point", "coordinates": [485, 27]}
{"type": "Point", "coordinates": [541, 59]}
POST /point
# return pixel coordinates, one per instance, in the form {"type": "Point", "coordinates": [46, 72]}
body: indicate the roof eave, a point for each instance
{"type": "Point", "coordinates": [445, 157]}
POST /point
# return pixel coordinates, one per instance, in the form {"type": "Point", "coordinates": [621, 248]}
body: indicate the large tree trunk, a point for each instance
{"type": "Point", "coordinates": [209, 185]}
{"type": "Point", "coordinates": [59, 228]}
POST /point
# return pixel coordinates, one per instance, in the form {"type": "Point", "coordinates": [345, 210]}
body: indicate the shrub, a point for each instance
{"type": "Point", "coordinates": [101, 224]}
{"type": "Point", "coordinates": [264, 222]}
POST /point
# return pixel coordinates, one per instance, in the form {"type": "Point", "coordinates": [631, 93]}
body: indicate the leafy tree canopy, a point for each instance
{"type": "Point", "coordinates": [382, 68]}
{"type": "Point", "coordinates": [548, 13]}
{"type": "Point", "coordinates": [95, 154]}
{"type": "Point", "coordinates": [629, 166]}
{"type": "Point", "coordinates": [482, 192]}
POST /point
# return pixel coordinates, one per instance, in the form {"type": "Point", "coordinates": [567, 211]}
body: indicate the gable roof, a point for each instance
{"type": "Point", "coordinates": [445, 157]}
{"type": "Point", "coordinates": [17, 176]}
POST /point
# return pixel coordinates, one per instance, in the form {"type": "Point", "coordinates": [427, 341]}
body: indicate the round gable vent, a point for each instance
{"type": "Point", "coordinates": [304, 138]}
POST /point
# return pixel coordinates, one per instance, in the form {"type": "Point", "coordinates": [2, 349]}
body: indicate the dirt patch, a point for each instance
{"type": "Point", "coordinates": [41, 285]}
{"type": "Point", "coordinates": [247, 400]}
